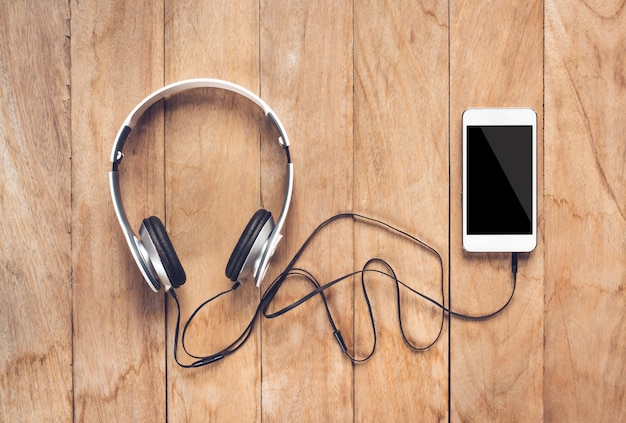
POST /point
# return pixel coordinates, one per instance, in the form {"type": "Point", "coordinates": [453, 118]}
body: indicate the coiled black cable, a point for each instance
{"type": "Point", "coordinates": [291, 271]}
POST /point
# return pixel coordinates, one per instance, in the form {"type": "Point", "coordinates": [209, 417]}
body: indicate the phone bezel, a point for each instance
{"type": "Point", "coordinates": [500, 117]}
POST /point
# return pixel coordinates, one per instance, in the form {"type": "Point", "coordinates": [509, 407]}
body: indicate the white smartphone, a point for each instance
{"type": "Point", "coordinates": [499, 180]}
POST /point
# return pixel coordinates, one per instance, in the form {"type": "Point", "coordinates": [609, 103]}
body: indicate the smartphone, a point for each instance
{"type": "Point", "coordinates": [499, 180]}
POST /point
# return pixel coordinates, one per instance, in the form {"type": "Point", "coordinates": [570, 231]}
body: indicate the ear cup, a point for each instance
{"type": "Point", "coordinates": [165, 250]}
{"type": "Point", "coordinates": [245, 243]}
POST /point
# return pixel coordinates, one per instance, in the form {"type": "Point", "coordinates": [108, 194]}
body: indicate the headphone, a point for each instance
{"type": "Point", "coordinates": [153, 250]}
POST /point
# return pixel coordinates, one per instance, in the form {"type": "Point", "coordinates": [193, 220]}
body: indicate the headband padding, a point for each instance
{"type": "Point", "coordinates": [165, 250]}
{"type": "Point", "coordinates": [245, 243]}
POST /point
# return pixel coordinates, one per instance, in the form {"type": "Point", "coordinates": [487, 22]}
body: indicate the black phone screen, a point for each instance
{"type": "Point", "coordinates": [499, 180]}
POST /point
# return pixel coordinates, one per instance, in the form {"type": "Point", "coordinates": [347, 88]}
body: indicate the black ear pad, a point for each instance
{"type": "Point", "coordinates": [165, 250]}
{"type": "Point", "coordinates": [245, 243]}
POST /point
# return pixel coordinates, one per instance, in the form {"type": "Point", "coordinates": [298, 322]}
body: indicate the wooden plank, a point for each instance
{"type": "Point", "coordinates": [585, 324]}
{"type": "Point", "coordinates": [35, 267]}
{"type": "Point", "coordinates": [213, 188]}
{"type": "Point", "coordinates": [119, 351]}
{"type": "Point", "coordinates": [496, 60]}
{"type": "Point", "coordinates": [306, 74]}
{"type": "Point", "coordinates": [299, 57]}
{"type": "Point", "coordinates": [401, 176]}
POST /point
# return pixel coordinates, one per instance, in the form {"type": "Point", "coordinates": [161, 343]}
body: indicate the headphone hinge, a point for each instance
{"type": "Point", "coordinates": [119, 156]}
{"type": "Point", "coordinates": [282, 138]}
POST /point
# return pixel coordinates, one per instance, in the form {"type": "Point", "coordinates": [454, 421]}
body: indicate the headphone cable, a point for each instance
{"type": "Point", "coordinates": [291, 272]}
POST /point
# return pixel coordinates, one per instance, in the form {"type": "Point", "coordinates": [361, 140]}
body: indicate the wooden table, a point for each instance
{"type": "Point", "coordinates": [371, 94]}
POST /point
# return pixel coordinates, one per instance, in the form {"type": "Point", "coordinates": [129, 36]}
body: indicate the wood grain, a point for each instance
{"type": "Point", "coordinates": [119, 350]}
{"type": "Point", "coordinates": [496, 60]}
{"type": "Point", "coordinates": [213, 188]}
{"type": "Point", "coordinates": [306, 74]}
{"type": "Point", "coordinates": [306, 68]}
{"type": "Point", "coordinates": [371, 94]}
{"type": "Point", "coordinates": [585, 321]}
{"type": "Point", "coordinates": [35, 192]}
{"type": "Point", "coordinates": [400, 59]}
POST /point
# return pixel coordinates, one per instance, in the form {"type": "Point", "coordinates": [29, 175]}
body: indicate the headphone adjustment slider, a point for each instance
{"type": "Point", "coordinates": [282, 137]}
{"type": "Point", "coordinates": [119, 156]}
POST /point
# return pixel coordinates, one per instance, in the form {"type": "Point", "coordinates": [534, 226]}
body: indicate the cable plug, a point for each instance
{"type": "Point", "coordinates": [207, 360]}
